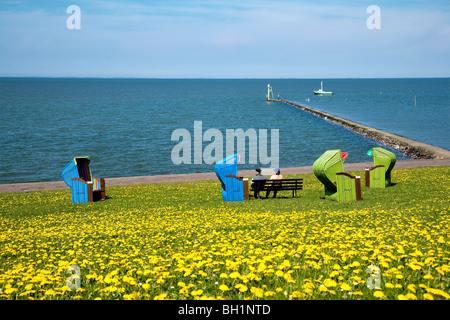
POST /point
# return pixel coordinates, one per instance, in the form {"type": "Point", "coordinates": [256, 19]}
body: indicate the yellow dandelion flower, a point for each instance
{"type": "Point", "coordinates": [295, 294]}
{"type": "Point", "coordinates": [130, 296]}
{"type": "Point", "coordinates": [257, 292]}
{"type": "Point", "coordinates": [378, 294]}
{"type": "Point", "coordinates": [50, 292]}
{"type": "Point", "coordinates": [414, 266]}
{"type": "Point", "coordinates": [345, 287]}
{"type": "Point", "coordinates": [223, 275]}
{"type": "Point", "coordinates": [10, 290]}
{"type": "Point", "coordinates": [279, 273]}
{"type": "Point", "coordinates": [309, 292]}
{"type": "Point", "coordinates": [389, 285]}
{"type": "Point", "coordinates": [411, 296]}
{"type": "Point", "coordinates": [355, 264]}
{"type": "Point", "coordinates": [428, 276]}
{"type": "Point", "coordinates": [323, 289]}
{"type": "Point", "coordinates": [309, 285]}
{"type": "Point", "coordinates": [428, 296]}
{"type": "Point", "coordinates": [146, 286]}
{"type": "Point", "coordinates": [417, 253]}
{"type": "Point", "coordinates": [234, 275]}
{"type": "Point", "coordinates": [241, 287]}
{"type": "Point", "coordinates": [439, 292]}
{"type": "Point", "coordinates": [224, 287]}
{"type": "Point", "coordinates": [329, 283]}
{"type": "Point", "coordinates": [161, 296]}
{"type": "Point", "coordinates": [196, 292]}
{"type": "Point", "coordinates": [334, 274]}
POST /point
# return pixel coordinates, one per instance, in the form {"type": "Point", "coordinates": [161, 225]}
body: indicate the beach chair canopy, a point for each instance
{"type": "Point", "coordinates": [77, 168]}
{"type": "Point", "coordinates": [226, 167]}
{"type": "Point", "coordinates": [384, 157]}
{"type": "Point", "coordinates": [326, 167]}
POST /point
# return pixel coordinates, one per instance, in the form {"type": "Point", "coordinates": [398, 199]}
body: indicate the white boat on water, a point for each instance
{"type": "Point", "coordinates": [320, 92]}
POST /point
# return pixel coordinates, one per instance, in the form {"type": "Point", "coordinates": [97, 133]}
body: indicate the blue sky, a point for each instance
{"type": "Point", "coordinates": [225, 39]}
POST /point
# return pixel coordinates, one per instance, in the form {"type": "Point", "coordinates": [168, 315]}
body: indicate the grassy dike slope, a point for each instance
{"type": "Point", "coordinates": [181, 241]}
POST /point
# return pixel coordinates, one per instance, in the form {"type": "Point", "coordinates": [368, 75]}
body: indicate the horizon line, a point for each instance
{"type": "Point", "coordinates": [212, 78]}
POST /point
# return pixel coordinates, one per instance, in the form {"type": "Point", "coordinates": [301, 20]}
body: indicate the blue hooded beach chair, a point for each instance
{"type": "Point", "coordinates": [232, 185]}
{"type": "Point", "coordinates": [85, 187]}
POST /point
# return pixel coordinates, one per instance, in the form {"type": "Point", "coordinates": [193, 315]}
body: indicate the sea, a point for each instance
{"type": "Point", "coordinates": [142, 127]}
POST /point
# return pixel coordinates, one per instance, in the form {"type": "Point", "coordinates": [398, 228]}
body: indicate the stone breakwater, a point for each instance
{"type": "Point", "coordinates": [410, 148]}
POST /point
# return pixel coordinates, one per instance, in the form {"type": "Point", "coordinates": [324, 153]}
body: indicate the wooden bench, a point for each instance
{"type": "Point", "coordinates": [278, 185]}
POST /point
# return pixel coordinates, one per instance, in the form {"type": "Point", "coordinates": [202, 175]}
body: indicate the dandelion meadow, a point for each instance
{"type": "Point", "coordinates": [181, 241]}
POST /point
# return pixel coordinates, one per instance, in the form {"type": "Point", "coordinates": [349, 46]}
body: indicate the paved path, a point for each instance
{"type": "Point", "coordinates": [36, 186]}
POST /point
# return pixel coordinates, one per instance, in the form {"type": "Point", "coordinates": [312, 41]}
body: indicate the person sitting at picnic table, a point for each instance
{"type": "Point", "coordinates": [276, 176]}
{"type": "Point", "coordinates": [258, 177]}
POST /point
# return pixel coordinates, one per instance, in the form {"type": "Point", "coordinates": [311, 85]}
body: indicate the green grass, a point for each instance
{"type": "Point", "coordinates": [182, 241]}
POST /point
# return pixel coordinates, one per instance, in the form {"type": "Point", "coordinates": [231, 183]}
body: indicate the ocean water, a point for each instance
{"type": "Point", "coordinates": [125, 125]}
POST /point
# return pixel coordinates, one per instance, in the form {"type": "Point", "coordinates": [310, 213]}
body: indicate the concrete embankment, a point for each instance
{"type": "Point", "coordinates": [38, 186]}
{"type": "Point", "coordinates": [411, 148]}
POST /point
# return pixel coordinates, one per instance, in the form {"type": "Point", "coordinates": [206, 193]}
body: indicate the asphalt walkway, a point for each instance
{"type": "Point", "coordinates": [36, 186]}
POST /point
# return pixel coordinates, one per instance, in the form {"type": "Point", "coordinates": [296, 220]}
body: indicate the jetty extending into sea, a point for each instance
{"type": "Point", "coordinates": [411, 148]}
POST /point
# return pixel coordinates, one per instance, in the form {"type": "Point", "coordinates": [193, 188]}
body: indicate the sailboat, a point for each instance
{"type": "Point", "coordinates": [320, 92]}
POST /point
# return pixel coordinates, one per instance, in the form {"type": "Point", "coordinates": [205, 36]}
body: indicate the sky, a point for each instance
{"type": "Point", "coordinates": [225, 39]}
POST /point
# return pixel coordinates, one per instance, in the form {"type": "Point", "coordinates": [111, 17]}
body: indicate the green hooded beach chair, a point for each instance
{"type": "Point", "coordinates": [339, 186]}
{"type": "Point", "coordinates": [379, 176]}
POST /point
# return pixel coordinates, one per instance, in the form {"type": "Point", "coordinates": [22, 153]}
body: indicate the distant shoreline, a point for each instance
{"type": "Point", "coordinates": [206, 78]}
